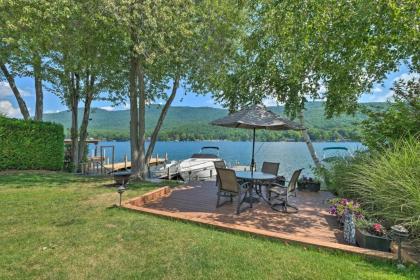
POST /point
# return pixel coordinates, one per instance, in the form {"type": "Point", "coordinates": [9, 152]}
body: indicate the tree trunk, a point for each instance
{"type": "Point", "coordinates": [134, 116]}
{"type": "Point", "coordinates": [308, 140]}
{"type": "Point", "coordinates": [22, 105]}
{"type": "Point", "coordinates": [90, 81]}
{"type": "Point", "coordinates": [39, 96]}
{"type": "Point", "coordinates": [142, 123]}
{"type": "Point", "coordinates": [74, 102]}
{"type": "Point", "coordinates": [159, 123]}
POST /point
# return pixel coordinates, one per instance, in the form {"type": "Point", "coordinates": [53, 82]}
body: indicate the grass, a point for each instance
{"type": "Point", "coordinates": [60, 226]}
{"type": "Point", "coordinates": [385, 183]}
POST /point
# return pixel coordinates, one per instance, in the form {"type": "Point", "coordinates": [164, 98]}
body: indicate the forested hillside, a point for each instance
{"type": "Point", "coordinates": [192, 123]}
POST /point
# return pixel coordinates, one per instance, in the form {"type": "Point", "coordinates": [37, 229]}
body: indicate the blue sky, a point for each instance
{"type": "Point", "coordinates": [8, 104]}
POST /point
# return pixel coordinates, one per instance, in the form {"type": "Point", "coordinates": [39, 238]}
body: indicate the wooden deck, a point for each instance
{"type": "Point", "coordinates": [196, 202]}
{"type": "Point", "coordinates": [118, 166]}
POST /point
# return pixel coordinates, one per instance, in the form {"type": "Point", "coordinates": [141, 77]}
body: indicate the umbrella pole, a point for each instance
{"type": "Point", "coordinates": [253, 150]}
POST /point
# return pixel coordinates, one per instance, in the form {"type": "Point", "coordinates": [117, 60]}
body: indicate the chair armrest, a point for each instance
{"type": "Point", "coordinates": [244, 184]}
{"type": "Point", "coordinates": [277, 185]}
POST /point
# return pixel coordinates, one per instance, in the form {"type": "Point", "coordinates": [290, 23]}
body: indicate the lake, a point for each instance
{"type": "Point", "coordinates": [291, 155]}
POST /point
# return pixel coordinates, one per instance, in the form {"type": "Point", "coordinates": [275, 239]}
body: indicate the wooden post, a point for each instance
{"type": "Point", "coordinates": [169, 174]}
{"type": "Point", "coordinates": [211, 173]}
{"type": "Point", "coordinates": [102, 160]}
{"type": "Point", "coordinates": [148, 170]}
{"type": "Point", "coordinates": [125, 161]}
{"type": "Point", "coordinates": [113, 158]}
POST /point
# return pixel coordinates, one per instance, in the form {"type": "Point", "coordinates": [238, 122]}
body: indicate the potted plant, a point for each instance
{"type": "Point", "coordinates": [309, 184]}
{"type": "Point", "coordinates": [341, 205]}
{"type": "Point", "coordinates": [372, 235]}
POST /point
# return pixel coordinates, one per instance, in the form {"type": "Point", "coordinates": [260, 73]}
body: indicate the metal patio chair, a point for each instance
{"type": "Point", "coordinates": [270, 168]}
{"type": "Point", "coordinates": [229, 187]}
{"type": "Point", "coordinates": [218, 164]}
{"type": "Point", "coordinates": [282, 193]}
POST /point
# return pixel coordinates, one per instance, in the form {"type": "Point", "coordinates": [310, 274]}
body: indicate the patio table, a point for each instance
{"type": "Point", "coordinates": [254, 178]}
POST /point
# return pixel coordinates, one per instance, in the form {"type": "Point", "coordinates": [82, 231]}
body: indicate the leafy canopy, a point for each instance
{"type": "Point", "coordinates": [298, 50]}
{"type": "Point", "coordinates": [399, 121]}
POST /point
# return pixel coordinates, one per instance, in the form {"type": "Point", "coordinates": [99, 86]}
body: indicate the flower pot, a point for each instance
{"type": "Point", "coordinates": [370, 241]}
{"type": "Point", "coordinates": [309, 186]}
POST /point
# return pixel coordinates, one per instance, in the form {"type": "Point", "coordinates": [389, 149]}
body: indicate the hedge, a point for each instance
{"type": "Point", "coordinates": [31, 145]}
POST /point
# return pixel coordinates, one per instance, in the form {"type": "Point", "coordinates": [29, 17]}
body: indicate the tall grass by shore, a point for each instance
{"type": "Point", "coordinates": [387, 184]}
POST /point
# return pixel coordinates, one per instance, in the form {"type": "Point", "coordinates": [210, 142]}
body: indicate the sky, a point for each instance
{"type": "Point", "coordinates": [8, 105]}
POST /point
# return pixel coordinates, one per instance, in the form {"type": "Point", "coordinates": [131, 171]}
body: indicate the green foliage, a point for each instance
{"type": "Point", "coordinates": [400, 120]}
{"type": "Point", "coordinates": [385, 184]}
{"type": "Point", "coordinates": [339, 170]}
{"type": "Point", "coordinates": [296, 50]}
{"type": "Point", "coordinates": [30, 145]}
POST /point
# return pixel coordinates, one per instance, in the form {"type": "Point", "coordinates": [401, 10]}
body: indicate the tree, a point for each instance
{"type": "Point", "coordinates": [24, 44]}
{"type": "Point", "coordinates": [169, 43]}
{"type": "Point", "coordinates": [400, 120]}
{"type": "Point", "coordinates": [84, 64]}
{"type": "Point", "coordinates": [299, 50]}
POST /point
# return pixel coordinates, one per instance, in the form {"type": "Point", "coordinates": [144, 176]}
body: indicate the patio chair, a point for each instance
{"type": "Point", "coordinates": [270, 168]}
{"type": "Point", "coordinates": [283, 193]}
{"type": "Point", "coordinates": [229, 187]}
{"type": "Point", "coordinates": [219, 164]}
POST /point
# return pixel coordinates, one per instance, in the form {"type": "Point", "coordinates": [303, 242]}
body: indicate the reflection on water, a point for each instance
{"type": "Point", "coordinates": [291, 155]}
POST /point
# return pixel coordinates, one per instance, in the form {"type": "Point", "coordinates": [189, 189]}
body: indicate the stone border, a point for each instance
{"type": "Point", "coordinates": [138, 204]}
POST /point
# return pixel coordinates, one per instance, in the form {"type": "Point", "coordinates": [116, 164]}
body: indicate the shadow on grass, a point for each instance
{"type": "Point", "coordinates": [24, 179]}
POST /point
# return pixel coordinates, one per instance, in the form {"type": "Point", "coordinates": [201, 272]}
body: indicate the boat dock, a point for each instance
{"type": "Point", "coordinates": [107, 165]}
{"type": "Point", "coordinates": [119, 166]}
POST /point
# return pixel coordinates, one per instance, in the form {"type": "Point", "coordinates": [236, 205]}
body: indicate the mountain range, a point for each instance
{"type": "Point", "coordinates": [192, 123]}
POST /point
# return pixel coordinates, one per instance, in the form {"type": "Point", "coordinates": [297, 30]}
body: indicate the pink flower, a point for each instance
{"type": "Point", "coordinates": [344, 201]}
{"type": "Point", "coordinates": [377, 227]}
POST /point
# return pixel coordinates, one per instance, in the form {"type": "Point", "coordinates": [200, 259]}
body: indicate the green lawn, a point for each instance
{"type": "Point", "coordinates": [59, 226]}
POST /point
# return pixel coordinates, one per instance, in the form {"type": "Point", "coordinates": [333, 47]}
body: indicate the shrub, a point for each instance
{"type": "Point", "coordinates": [386, 184]}
{"type": "Point", "coordinates": [338, 173]}
{"type": "Point", "coordinates": [31, 145]}
{"type": "Point", "coordinates": [400, 120]}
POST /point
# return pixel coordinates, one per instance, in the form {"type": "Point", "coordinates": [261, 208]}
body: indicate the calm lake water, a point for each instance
{"type": "Point", "coordinates": [291, 155]}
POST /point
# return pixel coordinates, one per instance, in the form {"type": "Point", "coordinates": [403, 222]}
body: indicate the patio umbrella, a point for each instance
{"type": "Point", "coordinates": [256, 117]}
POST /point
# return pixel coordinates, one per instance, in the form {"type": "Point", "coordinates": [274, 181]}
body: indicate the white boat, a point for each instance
{"type": "Point", "coordinates": [199, 166]}
{"type": "Point", "coordinates": [329, 154]}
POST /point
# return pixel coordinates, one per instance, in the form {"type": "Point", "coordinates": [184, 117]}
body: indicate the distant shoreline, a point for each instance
{"type": "Point", "coordinates": [219, 140]}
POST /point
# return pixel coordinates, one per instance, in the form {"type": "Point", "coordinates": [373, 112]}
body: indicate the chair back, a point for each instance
{"type": "Point", "coordinates": [227, 180]}
{"type": "Point", "coordinates": [270, 168]}
{"type": "Point", "coordinates": [294, 179]}
{"type": "Point", "coordinates": [219, 164]}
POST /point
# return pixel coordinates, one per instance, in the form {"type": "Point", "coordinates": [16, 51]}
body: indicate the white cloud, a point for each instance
{"type": "Point", "coordinates": [385, 97]}
{"type": "Point", "coordinates": [407, 76]}
{"type": "Point", "coordinates": [7, 108]}
{"type": "Point", "coordinates": [5, 90]}
{"type": "Point", "coordinates": [380, 97]}
{"type": "Point", "coordinates": [107, 108]}
{"type": "Point", "coordinates": [377, 89]}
